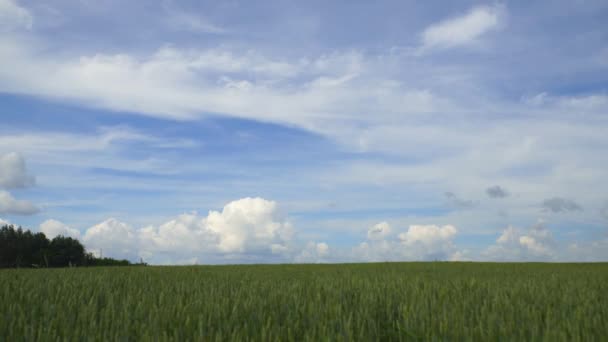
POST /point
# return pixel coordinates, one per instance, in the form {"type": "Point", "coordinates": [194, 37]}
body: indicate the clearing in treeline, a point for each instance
{"type": "Point", "coordinates": [365, 302]}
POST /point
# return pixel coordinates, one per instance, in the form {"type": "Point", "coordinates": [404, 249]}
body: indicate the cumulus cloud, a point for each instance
{"type": "Point", "coordinates": [243, 226]}
{"type": "Point", "coordinates": [419, 242]}
{"type": "Point", "coordinates": [13, 16]}
{"type": "Point", "coordinates": [13, 172]}
{"type": "Point", "coordinates": [534, 243]}
{"type": "Point", "coordinates": [248, 224]}
{"type": "Point", "coordinates": [462, 30]}
{"type": "Point", "coordinates": [558, 204]}
{"type": "Point", "coordinates": [4, 222]}
{"type": "Point", "coordinates": [497, 192]}
{"type": "Point", "coordinates": [112, 238]}
{"type": "Point", "coordinates": [185, 234]}
{"type": "Point", "coordinates": [378, 250]}
{"type": "Point", "coordinates": [457, 202]}
{"type": "Point", "coordinates": [313, 253]}
{"type": "Point", "coordinates": [52, 228]}
{"type": "Point", "coordinates": [428, 235]}
{"type": "Point", "coordinates": [253, 230]}
{"type": "Point", "coordinates": [379, 231]}
{"type": "Point", "coordinates": [10, 205]}
{"type": "Point", "coordinates": [248, 227]}
{"type": "Point", "coordinates": [429, 242]}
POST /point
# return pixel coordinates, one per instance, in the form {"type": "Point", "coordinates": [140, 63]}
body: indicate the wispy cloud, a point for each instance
{"type": "Point", "coordinates": [62, 146]}
{"type": "Point", "coordinates": [184, 84]}
{"type": "Point", "coordinates": [179, 20]}
{"type": "Point", "coordinates": [13, 16]}
{"type": "Point", "coordinates": [462, 30]}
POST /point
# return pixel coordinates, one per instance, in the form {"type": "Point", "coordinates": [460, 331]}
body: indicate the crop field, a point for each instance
{"type": "Point", "coordinates": [365, 302]}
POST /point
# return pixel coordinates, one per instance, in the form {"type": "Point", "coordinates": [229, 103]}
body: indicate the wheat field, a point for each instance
{"type": "Point", "coordinates": [346, 302]}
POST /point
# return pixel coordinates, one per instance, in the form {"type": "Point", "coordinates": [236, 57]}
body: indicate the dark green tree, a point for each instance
{"type": "Point", "coordinates": [65, 251]}
{"type": "Point", "coordinates": [19, 248]}
{"type": "Point", "coordinates": [22, 248]}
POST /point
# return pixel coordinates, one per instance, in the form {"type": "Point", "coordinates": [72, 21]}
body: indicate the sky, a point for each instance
{"type": "Point", "coordinates": [206, 132]}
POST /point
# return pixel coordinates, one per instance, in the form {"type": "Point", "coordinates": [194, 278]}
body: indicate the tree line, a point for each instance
{"type": "Point", "coordinates": [23, 248]}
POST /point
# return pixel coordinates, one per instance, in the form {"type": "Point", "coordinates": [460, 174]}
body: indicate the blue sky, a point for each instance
{"type": "Point", "coordinates": [278, 131]}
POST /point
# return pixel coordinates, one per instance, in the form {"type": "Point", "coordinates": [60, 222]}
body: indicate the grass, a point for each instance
{"type": "Point", "coordinates": [365, 302]}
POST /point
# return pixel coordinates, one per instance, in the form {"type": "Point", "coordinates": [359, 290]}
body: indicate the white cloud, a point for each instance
{"type": "Point", "coordinates": [52, 228]}
{"type": "Point", "coordinates": [245, 227]}
{"type": "Point", "coordinates": [10, 205]}
{"type": "Point", "coordinates": [533, 244]}
{"type": "Point", "coordinates": [112, 238]}
{"type": "Point", "coordinates": [186, 233]}
{"type": "Point", "coordinates": [183, 21]}
{"type": "Point", "coordinates": [428, 235]}
{"type": "Point", "coordinates": [4, 222]}
{"type": "Point", "coordinates": [551, 157]}
{"type": "Point", "coordinates": [429, 241]}
{"type": "Point", "coordinates": [419, 242]}
{"type": "Point", "coordinates": [184, 83]}
{"type": "Point", "coordinates": [586, 102]}
{"type": "Point", "coordinates": [575, 105]}
{"type": "Point", "coordinates": [313, 253]}
{"type": "Point", "coordinates": [331, 94]}
{"type": "Point", "coordinates": [462, 30]}
{"type": "Point", "coordinates": [459, 256]}
{"type": "Point", "coordinates": [13, 172]}
{"type": "Point", "coordinates": [13, 16]}
{"type": "Point", "coordinates": [536, 100]}
{"type": "Point", "coordinates": [508, 236]}
{"type": "Point", "coordinates": [589, 251]}
{"type": "Point", "coordinates": [105, 138]}
{"type": "Point", "coordinates": [103, 149]}
{"type": "Point", "coordinates": [248, 225]}
{"type": "Point", "coordinates": [378, 250]}
{"type": "Point", "coordinates": [379, 231]}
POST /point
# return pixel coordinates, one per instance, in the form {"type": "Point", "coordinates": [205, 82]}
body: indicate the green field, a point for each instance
{"type": "Point", "coordinates": [366, 302]}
